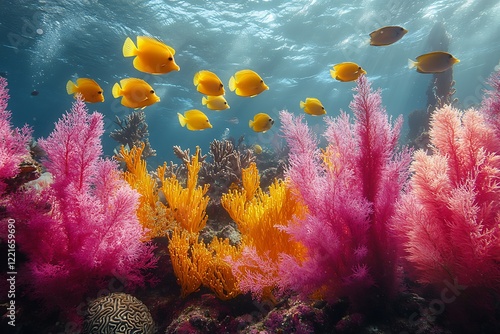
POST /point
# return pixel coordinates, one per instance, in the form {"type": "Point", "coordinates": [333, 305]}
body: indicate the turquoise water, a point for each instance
{"type": "Point", "coordinates": [291, 44]}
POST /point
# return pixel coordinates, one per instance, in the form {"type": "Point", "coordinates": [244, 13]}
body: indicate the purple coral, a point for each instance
{"type": "Point", "coordinates": [82, 229]}
{"type": "Point", "coordinates": [350, 190]}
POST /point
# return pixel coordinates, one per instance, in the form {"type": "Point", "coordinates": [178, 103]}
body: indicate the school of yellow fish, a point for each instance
{"type": "Point", "coordinates": [155, 57]}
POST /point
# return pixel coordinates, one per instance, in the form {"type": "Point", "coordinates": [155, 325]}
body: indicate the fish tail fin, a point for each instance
{"type": "Point", "coordinates": [129, 49]}
{"type": "Point", "coordinates": [196, 79]}
{"type": "Point", "coordinates": [302, 104]}
{"type": "Point", "coordinates": [70, 87]}
{"type": "Point", "coordinates": [411, 63]}
{"type": "Point", "coordinates": [232, 84]}
{"type": "Point", "coordinates": [333, 74]}
{"type": "Point", "coordinates": [204, 100]}
{"type": "Point", "coordinates": [182, 119]}
{"type": "Point", "coordinates": [116, 91]}
{"type": "Point", "coordinates": [250, 123]}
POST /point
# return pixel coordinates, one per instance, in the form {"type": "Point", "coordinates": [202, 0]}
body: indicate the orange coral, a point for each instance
{"type": "Point", "coordinates": [189, 260]}
{"type": "Point", "coordinates": [219, 277]}
{"type": "Point", "coordinates": [188, 204]}
{"type": "Point", "coordinates": [154, 217]}
{"type": "Point", "coordinates": [258, 218]}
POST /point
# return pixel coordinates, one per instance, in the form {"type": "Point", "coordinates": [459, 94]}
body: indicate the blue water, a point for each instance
{"type": "Point", "coordinates": [291, 44]}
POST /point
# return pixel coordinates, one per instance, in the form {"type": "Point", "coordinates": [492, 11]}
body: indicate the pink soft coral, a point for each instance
{"type": "Point", "coordinates": [451, 216]}
{"type": "Point", "coordinates": [81, 230]}
{"type": "Point", "coordinates": [350, 190]}
{"type": "Point", "coordinates": [13, 142]}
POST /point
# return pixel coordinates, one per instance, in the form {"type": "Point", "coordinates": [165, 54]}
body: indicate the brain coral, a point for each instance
{"type": "Point", "coordinates": [118, 313]}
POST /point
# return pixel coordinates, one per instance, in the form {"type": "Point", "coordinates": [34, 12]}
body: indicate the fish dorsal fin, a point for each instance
{"type": "Point", "coordinates": [83, 81]}
{"type": "Point", "coordinates": [243, 73]}
{"type": "Point", "coordinates": [143, 40]}
{"type": "Point", "coordinates": [127, 81]}
{"type": "Point", "coordinates": [193, 113]}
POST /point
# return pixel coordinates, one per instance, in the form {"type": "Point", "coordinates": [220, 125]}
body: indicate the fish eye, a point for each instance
{"type": "Point", "coordinates": [170, 58]}
{"type": "Point", "coordinates": [225, 102]}
{"type": "Point", "coordinates": [221, 85]}
{"type": "Point", "coordinates": [450, 56]}
{"type": "Point", "coordinates": [152, 91]}
{"type": "Point", "coordinates": [261, 81]}
{"type": "Point", "coordinates": [99, 92]}
{"type": "Point", "coordinates": [359, 68]}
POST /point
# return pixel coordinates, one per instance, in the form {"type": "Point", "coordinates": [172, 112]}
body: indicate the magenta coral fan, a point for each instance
{"type": "Point", "coordinates": [81, 230]}
{"type": "Point", "coordinates": [350, 190]}
{"type": "Point", "coordinates": [13, 142]}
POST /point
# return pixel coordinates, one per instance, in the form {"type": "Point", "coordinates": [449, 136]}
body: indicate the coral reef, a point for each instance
{"type": "Point", "coordinates": [350, 190]}
{"type": "Point", "coordinates": [81, 229]}
{"type": "Point", "coordinates": [260, 218]}
{"type": "Point", "coordinates": [224, 166]}
{"type": "Point", "coordinates": [133, 131]}
{"type": "Point", "coordinates": [118, 312]}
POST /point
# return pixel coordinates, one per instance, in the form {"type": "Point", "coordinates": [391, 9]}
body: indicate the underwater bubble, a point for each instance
{"type": "Point", "coordinates": [39, 31]}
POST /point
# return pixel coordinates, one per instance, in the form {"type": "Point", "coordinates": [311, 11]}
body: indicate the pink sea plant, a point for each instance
{"type": "Point", "coordinates": [13, 141]}
{"type": "Point", "coordinates": [450, 218]}
{"type": "Point", "coordinates": [81, 230]}
{"type": "Point", "coordinates": [350, 189]}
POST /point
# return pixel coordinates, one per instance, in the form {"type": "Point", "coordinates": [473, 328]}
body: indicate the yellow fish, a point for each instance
{"type": "Point", "coordinates": [194, 120]}
{"type": "Point", "coordinates": [136, 93]}
{"type": "Point", "coordinates": [257, 149]}
{"type": "Point", "coordinates": [247, 83]}
{"type": "Point", "coordinates": [347, 71]}
{"type": "Point", "coordinates": [215, 102]}
{"type": "Point", "coordinates": [90, 90]}
{"type": "Point", "coordinates": [151, 55]}
{"type": "Point", "coordinates": [312, 106]}
{"type": "Point", "coordinates": [261, 122]}
{"type": "Point", "coordinates": [387, 35]}
{"type": "Point", "coordinates": [433, 62]}
{"type": "Point", "coordinates": [208, 83]}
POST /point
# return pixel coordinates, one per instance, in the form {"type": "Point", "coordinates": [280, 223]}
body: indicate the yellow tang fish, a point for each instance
{"type": "Point", "coordinates": [136, 93]}
{"type": "Point", "coordinates": [90, 90]}
{"type": "Point", "coordinates": [387, 35]}
{"type": "Point", "coordinates": [347, 71]}
{"type": "Point", "coordinates": [261, 122]}
{"type": "Point", "coordinates": [194, 120]}
{"type": "Point", "coordinates": [257, 149]}
{"type": "Point", "coordinates": [215, 102]}
{"type": "Point", "coordinates": [247, 83]}
{"type": "Point", "coordinates": [433, 62]}
{"type": "Point", "coordinates": [151, 55]}
{"type": "Point", "coordinates": [208, 83]}
{"type": "Point", "coordinates": [313, 106]}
